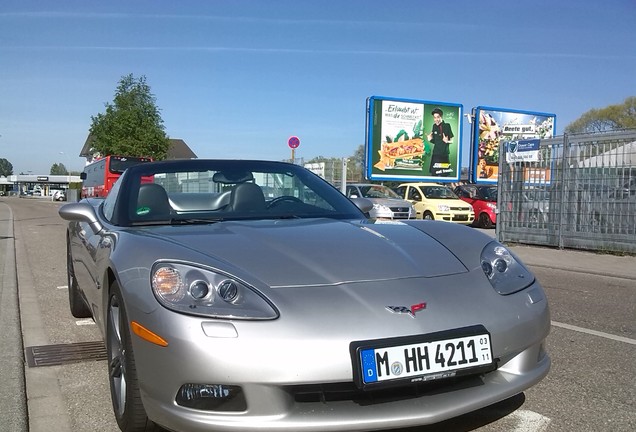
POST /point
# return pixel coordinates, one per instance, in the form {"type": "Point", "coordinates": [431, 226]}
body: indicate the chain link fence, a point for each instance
{"type": "Point", "coordinates": [581, 194]}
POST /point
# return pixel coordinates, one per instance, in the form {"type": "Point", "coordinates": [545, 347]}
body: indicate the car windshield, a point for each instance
{"type": "Point", "coordinates": [438, 192]}
{"type": "Point", "coordinates": [207, 191]}
{"type": "Point", "coordinates": [377, 191]}
{"type": "Point", "coordinates": [488, 193]}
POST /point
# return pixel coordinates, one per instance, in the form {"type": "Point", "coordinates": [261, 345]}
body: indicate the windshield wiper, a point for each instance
{"type": "Point", "coordinates": [193, 221]}
{"type": "Point", "coordinates": [284, 216]}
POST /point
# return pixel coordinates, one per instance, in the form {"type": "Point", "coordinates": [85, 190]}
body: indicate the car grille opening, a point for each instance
{"type": "Point", "coordinates": [347, 391]}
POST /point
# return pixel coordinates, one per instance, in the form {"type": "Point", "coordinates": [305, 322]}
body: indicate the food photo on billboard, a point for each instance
{"type": "Point", "coordinates": [493, 126]}
{"type": "Point", "coordinates": [413, 140]}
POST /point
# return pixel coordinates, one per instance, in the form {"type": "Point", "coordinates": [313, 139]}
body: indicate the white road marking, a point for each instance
{"type": "Point", "coordinates": [595, 333]}
{"type": "Point", "coordinates": [529, 421]}
{"type": "Point", "coordinates": [84, 322]}
{"type": "Point", "coordinates": [62, 287]}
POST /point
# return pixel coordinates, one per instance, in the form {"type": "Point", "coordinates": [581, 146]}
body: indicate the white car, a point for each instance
{"type": "Point", "coordinates": [386, 203]}
{"type": "Point", "coordinates": [59, 195]}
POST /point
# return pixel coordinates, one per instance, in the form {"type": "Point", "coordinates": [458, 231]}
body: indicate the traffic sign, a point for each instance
{"type": "Point", "coordinates": [293, 142]}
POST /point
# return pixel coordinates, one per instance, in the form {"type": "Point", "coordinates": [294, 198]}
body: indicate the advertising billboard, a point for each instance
{"type": "Point", "coordinates": [492, 126]}
{"type": "Point", "coordinates": [413, 140]}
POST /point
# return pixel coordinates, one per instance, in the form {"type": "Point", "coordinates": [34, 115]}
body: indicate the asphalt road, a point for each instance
{"type": "Point", "coordinates": [591, 387]}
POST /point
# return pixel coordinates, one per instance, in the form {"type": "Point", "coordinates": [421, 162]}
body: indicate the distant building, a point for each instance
{"type": "Point", "coordinates": [35, 185]}
{"type": "Point", "coordinates": [178, 150]}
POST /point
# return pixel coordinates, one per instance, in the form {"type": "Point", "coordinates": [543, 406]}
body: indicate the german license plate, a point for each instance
{"type": "Point", "coordinates": [433, 356]}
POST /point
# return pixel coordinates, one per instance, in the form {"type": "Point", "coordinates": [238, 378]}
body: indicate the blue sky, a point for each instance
{"type": "Point", "coordinates": [237, 78]}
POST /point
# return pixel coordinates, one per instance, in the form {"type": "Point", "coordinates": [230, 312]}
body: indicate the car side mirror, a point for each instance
{"type": "Point", "coordinates": [81, 212]}
{"type": "Point", "coordinates": [83, 175]}
{"type": "Point", "coordinates": [363, 204]}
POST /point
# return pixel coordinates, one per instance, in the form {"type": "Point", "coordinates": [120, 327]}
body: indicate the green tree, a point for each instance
{"type": "Point", "coordinates": [132, 124]}
{"type": "Point", "coordinates": [333, 166]}
{"type": "Point", "coordinates": [58, 169]}
{"type": "Point", "coordinates": [6, 169]}
{"type": "Point", "coordinates": [355, 166]}
{"type": "Point", "coordinates": [612, 117]}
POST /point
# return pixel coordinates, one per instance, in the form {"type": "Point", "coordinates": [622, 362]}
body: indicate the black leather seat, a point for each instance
{"type": "Point", "coordinates": [247, 197]}
{"type": "Point", "coordinates": [152, 202]}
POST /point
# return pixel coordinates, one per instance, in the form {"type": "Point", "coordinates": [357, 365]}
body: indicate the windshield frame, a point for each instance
{"type": "Point", "coordinates": [310, 196]}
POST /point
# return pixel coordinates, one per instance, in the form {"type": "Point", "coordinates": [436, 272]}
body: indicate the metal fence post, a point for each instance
{"type": "Point", "coordinates": [565, 175]}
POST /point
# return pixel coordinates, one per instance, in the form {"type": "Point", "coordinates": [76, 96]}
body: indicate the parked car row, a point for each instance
{"type": "Point", "coordinates": [466, 204]}
{"type": "Point", "coordinates": [56, 195]}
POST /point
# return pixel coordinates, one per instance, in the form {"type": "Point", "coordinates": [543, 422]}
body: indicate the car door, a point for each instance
{"type": "Point", "coordinates": [83, 244]}
{"type": "Point", "coordinates": [415, 197]}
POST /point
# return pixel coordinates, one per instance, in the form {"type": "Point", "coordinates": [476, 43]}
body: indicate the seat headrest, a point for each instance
{"type": "Point", "coordinates": [232, 177]}
{"type": "Point", "coordinates": [247, 197]}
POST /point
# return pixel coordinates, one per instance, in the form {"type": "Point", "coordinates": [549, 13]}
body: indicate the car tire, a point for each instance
{"type": "Point", "coordinates": [428, 216]}
{"type": "Point", "coordinates": [122, 372]}
{"type": "Point", "coordinates": [484, 221]}
{"type": "Point", "coordinates": [76, 302]}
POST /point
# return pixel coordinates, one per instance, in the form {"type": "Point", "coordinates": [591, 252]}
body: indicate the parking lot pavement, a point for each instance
{"type": "Point", "coordinates": [13, 409]}
{"type": "Point", "coordinates": [578, 261]}
{"type": "Point", "coordinates": [589, 262]}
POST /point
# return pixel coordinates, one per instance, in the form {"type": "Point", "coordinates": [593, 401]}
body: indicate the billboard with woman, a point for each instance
{"type": "Point", "coordinates": [413, 140]}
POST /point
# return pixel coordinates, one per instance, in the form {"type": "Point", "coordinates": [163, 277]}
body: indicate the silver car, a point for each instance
{"type": "Point", "coordinates": [223, 309]}
{"type": "Point", "coordinates": [386, 203]}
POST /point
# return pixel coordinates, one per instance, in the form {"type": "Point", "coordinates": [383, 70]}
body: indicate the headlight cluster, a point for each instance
{"type": "Point", "coordinates": [196, 291]}
{"type": "Point", "coordinates": [505, 273]}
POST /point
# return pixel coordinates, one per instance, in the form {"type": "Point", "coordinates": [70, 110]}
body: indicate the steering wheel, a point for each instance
{"type": "Point", "coordinates": [276, 201]}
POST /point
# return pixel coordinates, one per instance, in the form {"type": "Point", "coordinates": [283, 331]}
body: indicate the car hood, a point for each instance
{"type": "Point", "coordinates": [390, 202]}
{"type": "Point", "coordinates": [331, 252]}
{"type": "Point", "coordinates": [451, 202]}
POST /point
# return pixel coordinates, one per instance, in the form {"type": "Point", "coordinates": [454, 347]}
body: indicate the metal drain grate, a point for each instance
{"type": "Point", "coordinates": [52, 355]}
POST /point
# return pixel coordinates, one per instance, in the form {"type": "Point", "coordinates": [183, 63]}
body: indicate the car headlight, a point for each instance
{"type": "Point", "coordinates": [443, 207]}
{"type": "Point", "coordinates": [505, 273]}
{"type": "Point", "coordinates": [197, 291]}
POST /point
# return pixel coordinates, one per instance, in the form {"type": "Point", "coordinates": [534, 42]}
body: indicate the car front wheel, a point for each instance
{"type": "Point", "coordinates": [484, 221]}
{"type": "Point", "coordinates": [122, 373]}
{"type": "Point", "coordinates": [428, 216]}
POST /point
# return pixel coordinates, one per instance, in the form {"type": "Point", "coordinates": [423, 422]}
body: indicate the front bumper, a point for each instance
{"type": "Point", "coordinates": [277, 408]}
{"type": "Point", "coordinates": [460, 217]}
{"type": "Point", "coordinates": [287, 389]}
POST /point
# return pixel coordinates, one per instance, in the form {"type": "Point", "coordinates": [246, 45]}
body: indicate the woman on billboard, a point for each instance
{"type": "Point", "coordinates": [441, 137]}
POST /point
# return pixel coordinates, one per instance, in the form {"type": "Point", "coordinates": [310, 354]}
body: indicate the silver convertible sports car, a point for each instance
{"type": "Point", "coordinates": [225, 310]}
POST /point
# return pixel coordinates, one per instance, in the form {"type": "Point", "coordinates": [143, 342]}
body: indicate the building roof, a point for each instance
{"type": "Point", "coordinates": [178, 149]}
{"type": "Point", "coordinates": [623, 156]}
